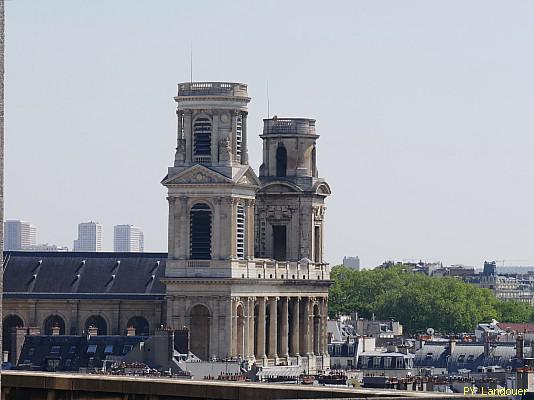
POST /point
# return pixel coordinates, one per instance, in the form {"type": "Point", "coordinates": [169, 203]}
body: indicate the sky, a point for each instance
{"type": "Point", "coordinates": [425, 111]}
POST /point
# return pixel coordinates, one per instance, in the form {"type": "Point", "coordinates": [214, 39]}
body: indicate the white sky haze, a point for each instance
{"type": "Point", "coordinates": [425, 111]}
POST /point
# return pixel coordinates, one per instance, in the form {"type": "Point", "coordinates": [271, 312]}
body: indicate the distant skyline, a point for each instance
{"type": "Point", "coordinates": [424, 111]}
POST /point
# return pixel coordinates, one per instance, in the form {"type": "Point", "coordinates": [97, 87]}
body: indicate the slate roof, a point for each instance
{"type": "Point", "coordinates": [73, 352]}
{"type": "Point", "coordinates": [29, 274]}
{"type": "Point", "coordinates": [467, 356]}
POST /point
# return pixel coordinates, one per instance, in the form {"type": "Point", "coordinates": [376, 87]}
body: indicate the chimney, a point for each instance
{"type": "Point", "coordinates": [130, 331]}
{"type": "Point", "coordinates": [452, 345]}
{"type": "Point", "coordinates": [163, 346]}
{"type": "Point", "coordinates": [92, 331]}
{"type": "Point", "coordinates": [519, 348]}
{"type": "Point", "coordinates": [55, 330]}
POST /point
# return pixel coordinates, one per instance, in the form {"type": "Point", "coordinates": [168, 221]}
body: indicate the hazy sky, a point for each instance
{"type": "Point", "coordinates": [425, 111]}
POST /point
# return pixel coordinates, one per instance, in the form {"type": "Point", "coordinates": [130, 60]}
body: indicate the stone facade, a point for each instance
{"type": "Point", "coordinates": [245, 271]}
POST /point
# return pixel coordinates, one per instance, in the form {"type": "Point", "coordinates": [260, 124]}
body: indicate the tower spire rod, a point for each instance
{"type": "Point", "coordinates": [191, 60]}
{"type": "Point", "coordinates": [268, 102]}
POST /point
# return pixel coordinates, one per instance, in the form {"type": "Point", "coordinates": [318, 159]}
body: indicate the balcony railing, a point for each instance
{"type": "Point", "coordinates": [205, 160]}
{"type": "Point", "coordinates": [212, 89]}
{"type": "Point", "coordinates": [198, 263]}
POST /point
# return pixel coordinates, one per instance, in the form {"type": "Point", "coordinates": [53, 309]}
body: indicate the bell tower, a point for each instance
{"type": "Point", "coordinates": [211, 187]}
{"type": "Point", "coordinates": [290, 203]}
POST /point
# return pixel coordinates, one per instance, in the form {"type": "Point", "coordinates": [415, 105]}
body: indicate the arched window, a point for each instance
{"type": "Point", "coordinates": [281, 161]}
{"type": "Point", "coordinates": [96, 321]}
{"type": "Point", "coordinates": [9, 335]}
{"type": "Point", "coordinates": [240, 231]}
{"type": "Point", "coordinates": [54, 321]}
{"type": "Point", "coordinates": [200, 232]}
{"type": "Point", "coordinates": [202, 137]}
{"type": "Point", "coordinates": [200, 331]}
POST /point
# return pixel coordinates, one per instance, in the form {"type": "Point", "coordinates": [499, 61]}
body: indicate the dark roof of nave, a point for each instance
{"type": "Point", "coordinates": [71, 275]}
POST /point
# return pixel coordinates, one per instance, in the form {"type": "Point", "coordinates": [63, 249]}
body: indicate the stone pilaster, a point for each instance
{"type": "Point", "coordinates": [188, 134]}
{"type": "Point", "coordinates": [172, 234]}
{"type": "Point", "coordinates": [215, 137]}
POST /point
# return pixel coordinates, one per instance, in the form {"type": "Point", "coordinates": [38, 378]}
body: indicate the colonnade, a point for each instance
{"type": "Point", "coordinates": [271, 327]}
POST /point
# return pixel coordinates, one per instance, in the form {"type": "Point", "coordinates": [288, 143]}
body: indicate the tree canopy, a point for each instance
{"type": "Point", "coordinates": [419, 301]}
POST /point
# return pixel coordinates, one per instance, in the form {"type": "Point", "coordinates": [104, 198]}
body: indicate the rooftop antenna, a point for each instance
{"type": "Point", "coordinates": [268, 105]}
{"type": "Point", "coordinates": [191, 60]}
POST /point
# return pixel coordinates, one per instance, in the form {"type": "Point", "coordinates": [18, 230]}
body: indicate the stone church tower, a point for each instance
{"type": "Point", "coordinates": [268, 310]}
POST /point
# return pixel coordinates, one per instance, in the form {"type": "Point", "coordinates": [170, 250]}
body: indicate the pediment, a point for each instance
{"type": "Point", "coordinates": [323, 188]}
{"type": "Point", "coordinates": [197, 174]}
{"type": "Point", "coordinates": [280, 187]}
{"type": "Point", "coordinates": [247, 177]}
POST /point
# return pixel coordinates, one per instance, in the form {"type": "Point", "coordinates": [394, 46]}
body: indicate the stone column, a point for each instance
{"type": "Point", "coordinates": [295, 327]}
{"type": "Point", "coordinates": [306, 348]}
{"type": "Point", "coordinates": [250, 336]}
{"type": "Point", "coordinates": [273, 327]}
{"type": "Point", "coordinates": [249, 231]}
{"type": "Point", "coordinates": [233, 333]}
{"type": "Point", "coordinates": [244, 147]}
{"type": "Point", "coordinates": [261, 328]}
{"type": "Point", "coordinates": [324, 326]}
{"type": "Point", "coordinates": [188, 134]}
{"type": "Point", "coordinates": [180, 127]}
{"type": "Point", "coordinates": [284, 325]}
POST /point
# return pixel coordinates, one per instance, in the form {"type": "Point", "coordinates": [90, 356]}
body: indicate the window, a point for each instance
{"type": "Point", "coordinates": [202, 137]}
{"type": "Point", "coordinates": [239, 137]}
{"type": "Point", "coordinates": [461, 358]}
{"type": "Point", "coordinates": [399, 362]}
{"type": "Point", "coordinates": [200, 235]}
{"type": "Point", "coordinates": [387, 362]}
{"type": "Point", "coordinates": [91, 348]}
{"type": "Point", "coordinates": [350, 349]}
{"type": "Point", "coordinates": [108, 349]}
{"type": "Point", "coordinates": [376, 362]}
{"type": "Point", "coordinates": [337, 349]}
{"type": "Point", "coordinates": [429, 356]}
{"type": "Point", "coordinates": [281, 161]}
{"type": "Point", "coordinates": [470, 358]}
{"type": "Point", "coordinates": [240, 232]}
{"type": "Point", "coordinates": [279, 242]}
{"type": "Point", "coordinates": [55, 349]}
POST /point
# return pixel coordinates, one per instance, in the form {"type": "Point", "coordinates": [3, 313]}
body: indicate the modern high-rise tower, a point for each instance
{"type": "Point", "coordinates": [89, 237]}
{"type": "Point", "coordinates": [19, 235]}
{"type": "Point", "coordinates": [128, 238]}
{"type": "Point", "coordinates": [268, 310]}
